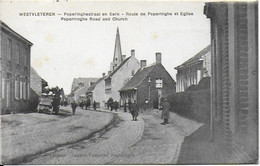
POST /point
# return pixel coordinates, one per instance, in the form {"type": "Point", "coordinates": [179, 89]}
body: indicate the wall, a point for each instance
{"type": "Point", "coordinates": [235, 81]}
{"type": "Point", "coordinates": [124, 73]}
{"type": "Point", "coordinates": [36, 82]}
{"type": "Point", "coordinates": [12, 70]}
{"type": "Point", "coordinates": [99, 93]}
{"type": "Point", "coordinates": [187, 76]}
{"type": "Point", "coordinates": [193, 104]}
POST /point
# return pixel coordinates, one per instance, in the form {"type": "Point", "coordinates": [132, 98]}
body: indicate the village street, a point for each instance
{"type": "Point", "coordinates": [69, 139]}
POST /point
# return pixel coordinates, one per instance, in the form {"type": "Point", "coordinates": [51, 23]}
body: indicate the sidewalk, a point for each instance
{"type": "Point", "coordinates": [197, 149]}
{"type": "Point", "coordinates": [160, 144]}
{"type": "Point", "coordinates": [24, 135]}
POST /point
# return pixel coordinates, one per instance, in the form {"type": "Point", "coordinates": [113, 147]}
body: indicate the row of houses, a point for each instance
{"type": "Point", "coordinates": [19, 82]}
{"type": "Point", "coordinates": [130, 80]}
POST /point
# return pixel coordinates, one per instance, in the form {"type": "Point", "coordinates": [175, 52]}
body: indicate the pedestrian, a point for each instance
{"type": "Point", "coordinates": [125, 106]}
{"type": "Point", "coordinates": [111, 106]}
{"type": "Point", "coordinates": [115, 105]}
{"type": "Point", "coordinates": [165, 107]}
{"type": "Point", "coordinates": [146, 102]}
{"type": "Point", "coordinates": [134, 111]}
{"type": "Point", "coordinates": [81, 104]}
{"type": "Point", "coordinates": [88, 103]}
{"type": "Point", "coordinates": [74, 106]}
{"type": "Point", "coordinates": [110, 103]}
{"type": "Point", "coordinates": [94, 105]}
{"type": "Point", "coordinates": [129, 105]}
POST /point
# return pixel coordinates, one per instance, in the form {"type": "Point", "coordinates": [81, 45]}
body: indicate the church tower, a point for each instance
{"type": "Point", "coordinates": [117, 59]}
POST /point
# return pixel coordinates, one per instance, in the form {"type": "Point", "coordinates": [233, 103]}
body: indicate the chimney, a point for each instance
{"type": "Point", "coordinates": [109, 72]}
{"type": "Point", "coordinates": [132, 53]}
{"type": "Point", "coordinates": [158, 57]}
{"type": "Point", "coordinates": [123, 57]}
{"type": "Point", "coordinates": [103, 75]}
{"type": "Point", "coordinates": [142, 63]}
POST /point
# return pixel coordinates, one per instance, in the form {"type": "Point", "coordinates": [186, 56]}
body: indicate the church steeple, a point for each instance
{"type": "Point", "coordinates": [117, 59]}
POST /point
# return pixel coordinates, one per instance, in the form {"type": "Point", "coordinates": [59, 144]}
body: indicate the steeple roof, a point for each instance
{"type": "Point", "coordinates": [117, 50]}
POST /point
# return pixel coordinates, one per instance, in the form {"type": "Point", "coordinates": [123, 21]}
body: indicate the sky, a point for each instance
{"type": "Point", "coordinates": [64, 50]}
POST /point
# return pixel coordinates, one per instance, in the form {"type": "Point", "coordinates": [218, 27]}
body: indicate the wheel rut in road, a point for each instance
{"type": "Point", "coordinates": [74, 145]}
{"type": "Point", "coordinates": [101, 148]}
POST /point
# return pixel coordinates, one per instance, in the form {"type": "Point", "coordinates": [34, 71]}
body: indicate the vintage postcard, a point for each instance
{"type": "Point", "coordinates": [128, 82]}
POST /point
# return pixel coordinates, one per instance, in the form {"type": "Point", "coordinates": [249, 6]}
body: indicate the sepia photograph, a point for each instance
{"type": "Point", "coordinates": [86, 82]}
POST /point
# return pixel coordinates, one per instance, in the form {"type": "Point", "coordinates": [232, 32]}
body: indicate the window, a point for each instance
{"type": "Point", "coordinates": [198, 76]}
{"type": "Point", "coordinates": [9, 49]}
{"type": "Point", "coordinates": [17, 90]}
{"type": "Point", "coordinates": [158, 83]}
{"type": "Point", "coordinates": [28, 90]}
{"type": "Point", "coordinates": [24, 90]}
{"type": "Point", "coordinates": [18, 54]}
{"type": "Point", "coordinates": [21, 89]}
{"type": "Point", "coordinates": [26, 60]}
{"type": "Point", "coordinates": [3, 88]}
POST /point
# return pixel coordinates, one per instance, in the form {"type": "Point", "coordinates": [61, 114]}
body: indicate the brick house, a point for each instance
{"type": "Point", "coordinates": [15, 52]}
{"type": "Point", "coordinates": [193, 70]}
{"type": "Point", "coordinates": [96, 92]}
{"type": "Point", "coordinates": [121, 70]}
{"type": "Point", "coordinates": [149, 83]}
{"type": "Point", "coordinates": [234, 81]}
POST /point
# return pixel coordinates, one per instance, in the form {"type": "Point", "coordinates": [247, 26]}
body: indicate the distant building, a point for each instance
{"type": "Point", "coordinates": [96, 92]}
{"type": "Point", "coordinates": [37, 84]}
{"type": "Point", "coordinates": [149, 83]}
{"type": "Point", "coordinates": [234, 80]}
{"type": "Point", "coordinates": [193, 70]}
{"type": "Point", "coordinates": [15, 57]}
{"type": "Point", "coordinates": [80, 87]}
{"type": "Point", "coordinates": [121, 70]}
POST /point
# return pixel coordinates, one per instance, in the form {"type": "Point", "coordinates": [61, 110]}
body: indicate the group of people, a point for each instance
{"type": "Point", "coordinates": [81, 104]}
{"type": "Point", "coordinates": [165, 107]}
{"type": "Point", "coordinates": [112, 105]}
{"type": "Point", "coordinates": [85, 104]}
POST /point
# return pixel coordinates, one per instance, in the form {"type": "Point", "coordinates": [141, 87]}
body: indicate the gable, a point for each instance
{"type": "Point", "coordinates": [121, 64]}
{"type": "Point", "coordinates": [138, 78]}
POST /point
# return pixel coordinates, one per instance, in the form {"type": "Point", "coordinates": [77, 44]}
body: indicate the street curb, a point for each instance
{"type": "Point", "coordinates": [28, 157]}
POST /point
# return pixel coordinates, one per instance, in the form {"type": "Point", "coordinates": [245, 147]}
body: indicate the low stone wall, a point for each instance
{"type": "Point", "coordinates": [192, 104]}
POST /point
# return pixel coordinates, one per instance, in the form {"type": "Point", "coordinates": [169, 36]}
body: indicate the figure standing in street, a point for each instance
{"type": "Point", "coordinates": [94, 105]}
{"type": "Point", "coordinates": [110, 103]}
{"type": "Point", "coordinates": [129, 105]}
{"type": "Point", "coordinates": [134, 111]}
{"type": "Point", "coordinates": [165, 107]}
{"type": "Point", "coordinates": [88, 103]}
{"type": "Point", "coordinates": [146, 102]}
{"type": "Point", "coordinates": [125, 106]}
{"type": "Point", "coordinates": [74, 106]}
{"type": "Point", "coordinates": [115, 105]}
{"type": "Point", "coordinates": [81, 104]}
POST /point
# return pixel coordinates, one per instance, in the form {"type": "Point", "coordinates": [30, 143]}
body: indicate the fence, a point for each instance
{"type": "Point", "coordinates": [192, 104]}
